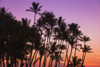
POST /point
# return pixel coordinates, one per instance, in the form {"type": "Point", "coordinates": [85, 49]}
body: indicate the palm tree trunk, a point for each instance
{"type": "Point", "coordinates": [21, 65]}
{"type": "Point", "coordinates": [7, 61]}
{"type": "Point", "coordinates": [34, 18]}
{"type": "Point", "coordinates": [83, 58]}
{"type": "Point", "coordinates": [3, 62]}
{"type": "Point", "coordinates": [45, 56]}
{"type": "Point", "coordinates": [70, 56]}
{"type": "Point", "coordinates": [75, 50]}
{"type": "Point", "coordinates": [15, 64]}
{"type": "Point", "coordinates": [40, 62]}
{"type": "Point", "coordinates": [51, 63]}
{"type": "Point", "coordinates": [32, 58]}
{"type": "Point", "coordinates": [30, 55]}
{"type": "Point", "coordinates": [0, 63]}
{"type": "Point", "coordinates": [59, 61]}
{"type": "Point", "coordinates": [44, 60]}
{"type": "Point", "coordinates": [35, 59]}
{"type": "Point", "coordinates": [66, 57]}
{"type": "Point", "coordinates": [59, 64]}
{"type": "Point", "coordinates": [26, 64]}
{"type": "Point", "coordinates": [65, 60]}
{"type": "Point", "coordinates": [55, 63]}
{"type": "Point", "coordinates": [11, 62]}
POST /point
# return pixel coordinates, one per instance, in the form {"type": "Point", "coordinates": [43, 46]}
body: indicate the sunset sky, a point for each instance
{"type": "Point", "coordinates": [84, 12]}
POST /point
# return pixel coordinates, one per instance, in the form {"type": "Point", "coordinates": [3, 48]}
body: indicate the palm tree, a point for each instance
{"type": "Point", "coordinates": [42, 51]}
{"type": "Point", "coordinates": [55, 53]}
{"type": "Point", "coordinates": [61, 47]}
{"type": "Point", "coordinates": [35, 8]}
{"type": "Point", "coordinates": [86, 49]}
{"type": "Point", "coordinates": [84, 39]}
{"type": "Point", "coordinates": [61, 33]}
{"type": "Point", "coordinates": [47, 22]}
{"type": "Point", "coordinates": [35, 39]}
{"type": "Point", "coordinates": [57, 57]}
{"type": "Point", "coordinates": [52, 51]}
{"type": "Point", "coordinates": [72, 43]}
{"type": "Point", "coordinates": [5, 18]}
{"type": "Point", "coordinates": [75, 62]}
{"type": "Point", "coordinates": [15, 41]}
{"type": "Point", "coordinates": [74, 30]}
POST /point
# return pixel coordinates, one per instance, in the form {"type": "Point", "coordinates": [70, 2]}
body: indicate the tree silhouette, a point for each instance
{"type": "Point", "coordinates": [75, 62]}
{"type": "Point", "coordinates": [35, 8]}
{"type": "Point", "coordinates": [74, 31]}
{"type": "Point", "coordinates": [85, 48]}
{"type": "Point", "coordinates": [72, 42]}
{"type": "Point", "coordinates": [46, 41]}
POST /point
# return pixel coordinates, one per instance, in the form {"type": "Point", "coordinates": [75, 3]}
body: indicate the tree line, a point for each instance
{"type": "Point", "coordinates": [48, 42]}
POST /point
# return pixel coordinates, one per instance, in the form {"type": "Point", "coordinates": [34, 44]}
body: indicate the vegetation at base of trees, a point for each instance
{"type": "Point", "coordinates": [49, 40]}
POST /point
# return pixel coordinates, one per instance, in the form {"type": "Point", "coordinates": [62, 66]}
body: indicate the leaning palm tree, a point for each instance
{"type": "Point", "coordinates": [35, 8]}
{"type": "Point", "coordinates": [86, 49]}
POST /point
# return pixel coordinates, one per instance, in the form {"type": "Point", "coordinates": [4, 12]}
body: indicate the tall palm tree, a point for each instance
{"type": "Point", "coordinates": [47, 22]}
{"type": "Point", "coordinates": [5, 18]}
{"type": "Point", "coordinates": [72, 43]}
{"type": "Point", "coordinates": [35, 8]}
{"type": "Point", "coordinates": [61, 33]}
{"type": "Point", "coordinates": [84, 39]}
{"type": "Point", "coordinates": [74, 30]}
{"type": "Point", "coordinates": [35, 39]}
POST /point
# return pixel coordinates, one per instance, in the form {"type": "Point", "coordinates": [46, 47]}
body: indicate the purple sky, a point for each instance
{"type": "Point", "coordinates": [84, 12]}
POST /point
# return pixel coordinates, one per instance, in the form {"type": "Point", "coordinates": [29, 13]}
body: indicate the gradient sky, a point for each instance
{"type": "Point", "coordinates": [84, 12]}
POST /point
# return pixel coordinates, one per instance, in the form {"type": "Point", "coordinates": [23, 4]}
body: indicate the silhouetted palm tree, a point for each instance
{"type": "Point", "coordinates": [52, 51]}
{"type": "Point", "coordinates": [46, 22]}
{"type": "Point", "coordinates": [42, 51]}
{"type": "Point", "coordinates": [72, 42]}
{"type": "Point", "coordinates": [35, 8]}
{"type": "Point", "coordinates": [61, 33]}
{"type": "Point", "coordinates": [86, 49]}
{"type": "Point", "coordinates": [47, 39]}
{"type": "Point", "coordinates": [84, 39]}
{"type": "Point", "coordinates": [74, 31]}
{"type": "Point", "coordinates": [5, 18]}
{"type": "Point", "coordinates": [57, 57]}
{"type": "Point", "coordinates": [35, 39]}
{"type": "Point", "coordinates": [61, 47]}
{"type": "Point", "coordinates": [75, 62]}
